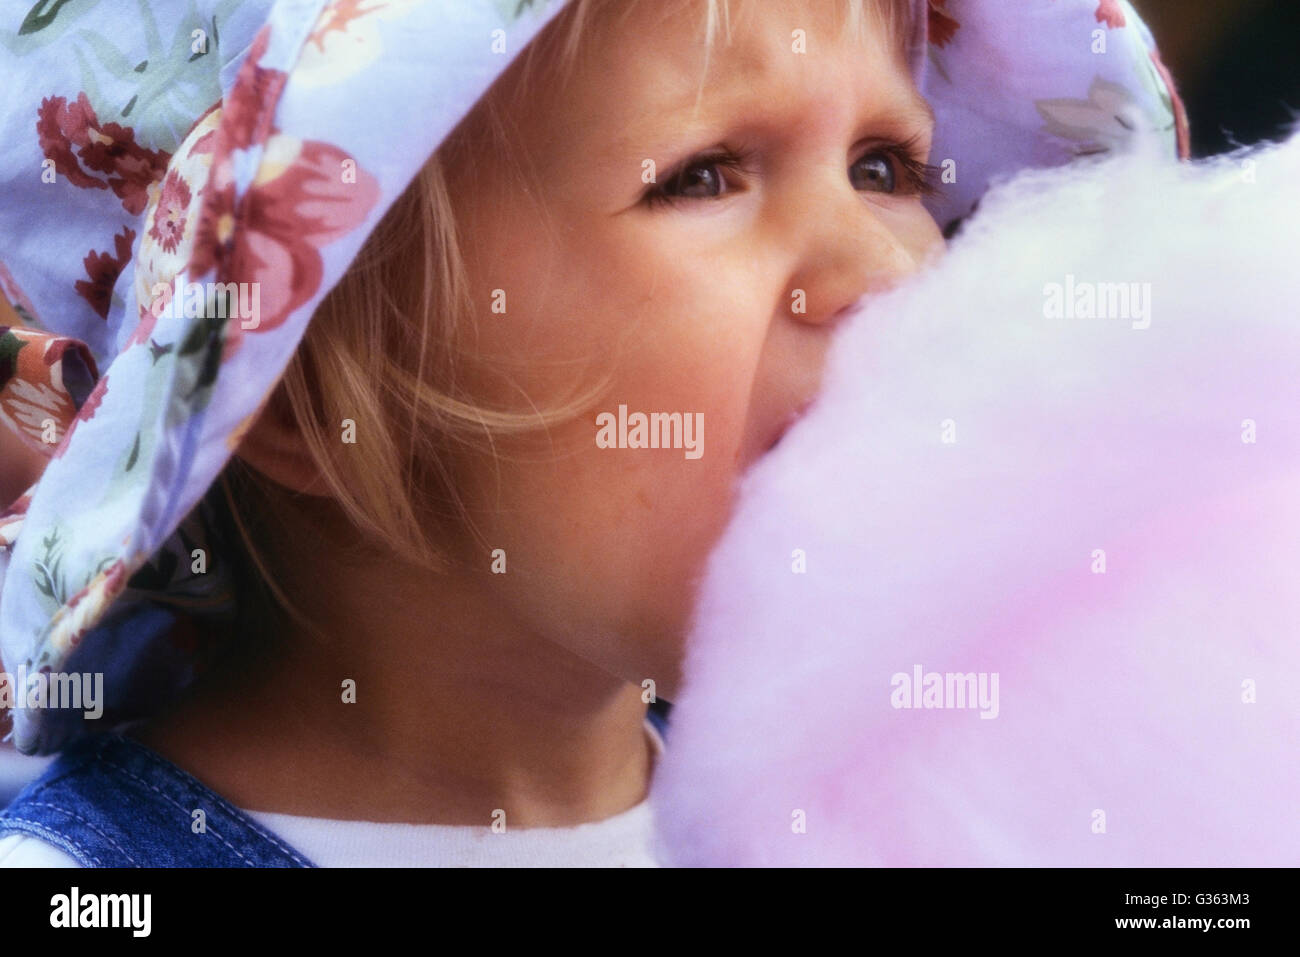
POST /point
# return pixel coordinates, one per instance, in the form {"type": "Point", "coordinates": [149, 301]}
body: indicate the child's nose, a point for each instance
{"type": "Point", "coordinates": [847, 250]}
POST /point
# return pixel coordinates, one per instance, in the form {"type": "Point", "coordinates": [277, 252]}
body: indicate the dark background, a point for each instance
{"type": "Point", "coordinates": [1237, 66]}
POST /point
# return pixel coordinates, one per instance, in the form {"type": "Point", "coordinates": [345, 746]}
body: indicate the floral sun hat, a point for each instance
{"type": "Point", "coordinates": [257, 143]}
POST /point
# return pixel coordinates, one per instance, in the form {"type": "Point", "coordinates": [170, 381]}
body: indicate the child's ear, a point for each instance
{"type": "Point", "coordinates": [274, 446]}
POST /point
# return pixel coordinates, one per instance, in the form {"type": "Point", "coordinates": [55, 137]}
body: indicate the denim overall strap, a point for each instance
{"type": "Point", "coordinates": [109, 801]}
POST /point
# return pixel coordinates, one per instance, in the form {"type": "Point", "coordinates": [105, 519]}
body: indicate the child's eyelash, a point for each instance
{"type": "Point", "coordinates": [923, 179]}
{"type": "Point", "coordinates": [918, 178]}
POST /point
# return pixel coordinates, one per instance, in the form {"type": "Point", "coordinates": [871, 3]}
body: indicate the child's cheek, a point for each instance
{"type": "Point", "coordinates": [633, 527]}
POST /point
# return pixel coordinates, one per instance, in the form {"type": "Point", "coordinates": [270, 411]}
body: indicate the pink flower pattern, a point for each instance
{"type": "Point", "coordinates": [942, 27]}
{"type": "Point", "coordinates": [72, 136]}
{"type": "Point", "coordinates": [169, 218]}
{"type": "Point", "coordinates": [103, 270]}
{"type": "Point", "coordinates": [284, 220]}
{"type": "Point", "coordinates": [1110, 13]}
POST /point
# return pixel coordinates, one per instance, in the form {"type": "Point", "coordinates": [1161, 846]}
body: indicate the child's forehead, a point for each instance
{"type": "Point", "coordinates": [770, 48]}
{"type": "Point", "coordinates": [758, 32]}
{"type": "Point", "coordinates": [643, 83]}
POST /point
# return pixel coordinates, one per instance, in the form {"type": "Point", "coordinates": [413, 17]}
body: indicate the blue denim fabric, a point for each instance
{"type": "Point", "coordinates": [111, 802]}
{"type": "Point", "coordinates": [658, 714]}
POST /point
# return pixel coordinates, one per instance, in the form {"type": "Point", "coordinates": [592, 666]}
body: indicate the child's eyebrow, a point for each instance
{"type": "Point", "coordinates": [902, 104]}
{"type": "Point", "coordinates": [913, 114]}
{"type": "Point", "coordinates": [921, 106]}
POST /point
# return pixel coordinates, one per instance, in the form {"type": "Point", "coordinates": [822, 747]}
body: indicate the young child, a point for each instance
{"type": "Point", "coordinates": [454, 604]}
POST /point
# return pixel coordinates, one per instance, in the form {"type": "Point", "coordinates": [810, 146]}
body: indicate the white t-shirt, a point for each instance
{"type": "Point", "coordinates": [624, 840]}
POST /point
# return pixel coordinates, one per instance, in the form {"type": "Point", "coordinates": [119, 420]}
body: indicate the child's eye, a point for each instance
{"type": "Point", "coordinates": [700, 178]}
{"type": "Point", "coordinates": [893, 170]}
{"type": "Point", "coordinates": [874, 173]}
{"type": "Point", "coordinates": [698, 181]}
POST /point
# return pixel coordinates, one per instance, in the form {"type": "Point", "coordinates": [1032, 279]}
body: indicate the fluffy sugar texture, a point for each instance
{"type": "Point", "coordinates": [1123, 695]}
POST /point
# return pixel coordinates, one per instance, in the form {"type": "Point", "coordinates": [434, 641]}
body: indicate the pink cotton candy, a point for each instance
{"type": "Point", "coordinates": [975, 458]}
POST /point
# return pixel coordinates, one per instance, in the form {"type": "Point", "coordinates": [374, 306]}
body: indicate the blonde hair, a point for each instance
{"type": "Point", "coordinates": [359, 358]}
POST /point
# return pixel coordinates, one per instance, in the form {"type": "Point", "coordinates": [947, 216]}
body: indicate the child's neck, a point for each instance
{"type": "Point", "coordinates": [450, 723]}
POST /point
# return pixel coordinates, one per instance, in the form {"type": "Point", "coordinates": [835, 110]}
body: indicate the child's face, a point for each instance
{"type": "Point", "coordinates": [689, 304]}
